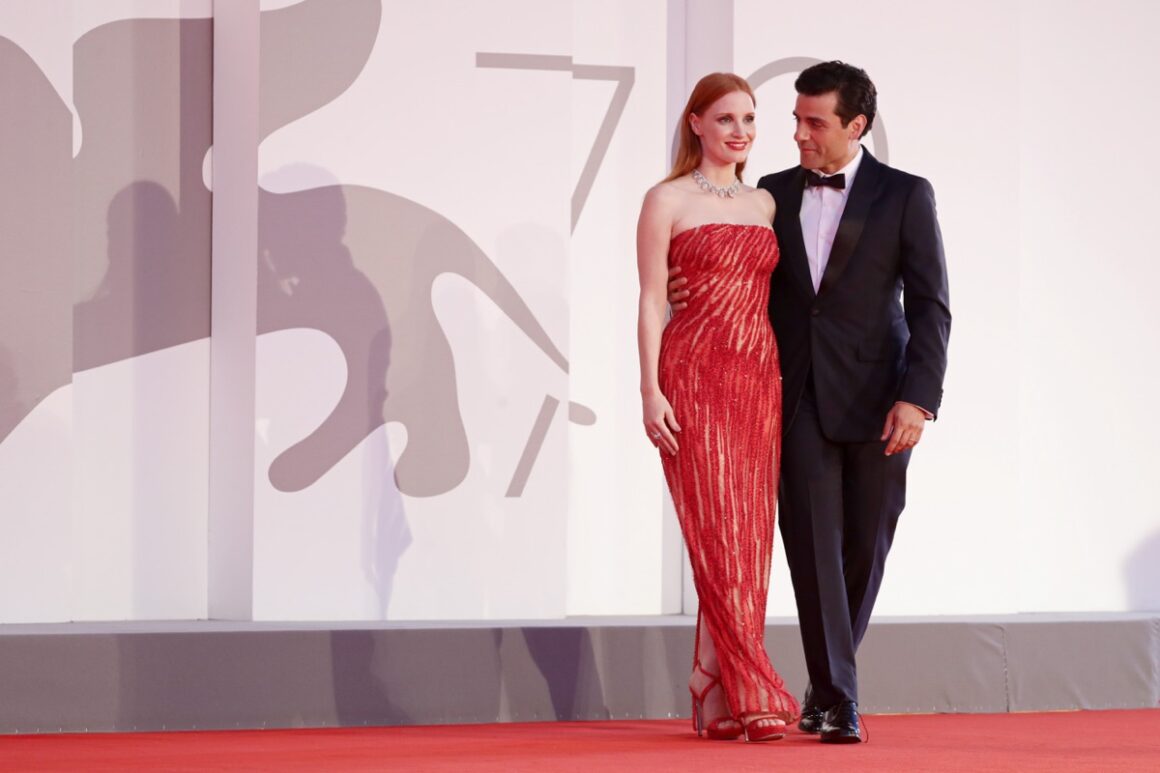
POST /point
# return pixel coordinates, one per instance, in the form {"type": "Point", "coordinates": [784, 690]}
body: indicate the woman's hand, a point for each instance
{"type": "Point", "coordinates": [659, 422]}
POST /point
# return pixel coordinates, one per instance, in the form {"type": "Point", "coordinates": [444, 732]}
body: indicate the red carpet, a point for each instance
{"type": "Point", "coordinates": [1105, 741]}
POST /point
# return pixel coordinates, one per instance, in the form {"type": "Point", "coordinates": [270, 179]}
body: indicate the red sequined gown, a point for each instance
{"type": "Point", "coordinates": [719, 370]}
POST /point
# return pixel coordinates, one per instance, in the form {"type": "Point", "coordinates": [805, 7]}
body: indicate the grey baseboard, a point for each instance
{"type": "Point", "coordinates": [214, 675]}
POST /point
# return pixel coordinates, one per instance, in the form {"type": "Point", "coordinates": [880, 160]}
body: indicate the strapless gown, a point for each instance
{"type": "Point", "coordinates": [719, 370]}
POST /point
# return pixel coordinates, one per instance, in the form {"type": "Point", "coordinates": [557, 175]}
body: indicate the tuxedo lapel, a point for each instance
{"type": "Point", "coordinates": [793, 246]}
{"type": "Point", "coordinates": [862, 195]}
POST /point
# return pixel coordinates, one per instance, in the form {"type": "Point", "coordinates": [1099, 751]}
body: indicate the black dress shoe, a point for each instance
{"type": "Point", "coordinates": [811, 721]}
{"type": "Point", "coordinates": [840, 724]}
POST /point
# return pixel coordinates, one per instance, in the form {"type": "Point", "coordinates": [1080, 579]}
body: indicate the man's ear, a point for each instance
{"type": "Point", "coordinates": [857, 126]}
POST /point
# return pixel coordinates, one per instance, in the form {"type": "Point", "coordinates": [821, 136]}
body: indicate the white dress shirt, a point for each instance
{"type": "Point", "coordinates": [820, 214]}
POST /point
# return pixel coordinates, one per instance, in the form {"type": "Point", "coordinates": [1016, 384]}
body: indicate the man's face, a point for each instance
{"type": "Point", "coordinates": [823, 143]}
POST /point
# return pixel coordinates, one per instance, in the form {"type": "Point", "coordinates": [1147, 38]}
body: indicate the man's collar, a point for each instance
{"type": "Point", "coordinates": [849, 170]}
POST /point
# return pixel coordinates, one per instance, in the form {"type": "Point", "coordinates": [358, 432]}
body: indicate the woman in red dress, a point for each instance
{"type": "Point", "coordinates": [711, 389]}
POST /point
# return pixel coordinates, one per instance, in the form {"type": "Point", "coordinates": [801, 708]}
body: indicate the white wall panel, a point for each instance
{"type": "Point", "coordinates": [139, 494]}
{"type": "Point", "coordinates": [36, 557]}
{"type": "Point", "coordinates": [479, 154]}
{"type": "Point", "coordinates": [1009, 509]}
{"type": "Point", "coordinates": [1089, 528]}
{"type": "Point", "coordinates": [939, 104]}
{"type": "Point", "coordinates": [36, 466]}
{"type": "Point", "coordinates": [103, 477]}
{"type": "Point", "coordinates": [616, 535]}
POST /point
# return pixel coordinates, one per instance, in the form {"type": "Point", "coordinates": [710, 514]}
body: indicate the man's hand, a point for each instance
{"type": "Point", "coordinates": [903, 426]}
{"type": "Point", "coordinates": [677, 296]}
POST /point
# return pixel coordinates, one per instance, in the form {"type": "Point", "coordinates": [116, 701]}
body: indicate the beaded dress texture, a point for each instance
{"type": "Point", "coordinates": [719, 370]}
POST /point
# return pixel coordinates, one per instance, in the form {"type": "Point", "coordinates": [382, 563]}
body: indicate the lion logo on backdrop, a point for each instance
{"type": "Point", "coordinates": [353, 262]}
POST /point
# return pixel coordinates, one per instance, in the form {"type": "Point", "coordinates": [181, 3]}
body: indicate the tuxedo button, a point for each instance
{"type": "Point", "coordinates": [815, 311]}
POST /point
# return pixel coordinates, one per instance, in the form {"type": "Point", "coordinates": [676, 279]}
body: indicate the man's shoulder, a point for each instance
{"type": "Point", "coordinates": [771, 181]}
{"type": "Point", "coordinates": [897, 178]}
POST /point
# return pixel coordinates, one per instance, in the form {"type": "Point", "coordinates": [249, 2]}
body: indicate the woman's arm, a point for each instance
{"type": "Point", "coordinates": [652, 256]}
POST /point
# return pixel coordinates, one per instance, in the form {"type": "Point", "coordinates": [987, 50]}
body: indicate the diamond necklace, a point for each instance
{"type": "Point", "coordinates": [727, 191]}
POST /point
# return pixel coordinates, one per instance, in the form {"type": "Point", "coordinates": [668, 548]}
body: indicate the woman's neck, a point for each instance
{"type": "Point", "coordinates": [720, 175]}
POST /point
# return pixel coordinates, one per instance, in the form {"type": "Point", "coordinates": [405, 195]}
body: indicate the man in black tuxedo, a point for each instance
{"type": "Point", "coordinates": [861, 311]}
{"type": "Point", "coordinates": [860, 308]}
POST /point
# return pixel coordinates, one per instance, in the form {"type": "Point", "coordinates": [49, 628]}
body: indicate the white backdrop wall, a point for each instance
{"type": "Point", "coordinates": [939, 103]}
{"type": "Point", "coordinates": [623, 552]}
{"type": "Point", "coordinates": [1027, 494]}
{"type": "Point", "coordinates": [104, 309]}
{"type": "Point", "coordinates": [1089, 515]}
{"type": "Point", "coordinates": [566, 117]}
{"type": "Point", "coordinates": [446, 399]}
{"type": "Point", "coordinates": [445, 183]}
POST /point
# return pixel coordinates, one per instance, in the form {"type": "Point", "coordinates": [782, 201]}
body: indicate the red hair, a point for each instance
{"type": "Point", "coordinates": [707, 91]}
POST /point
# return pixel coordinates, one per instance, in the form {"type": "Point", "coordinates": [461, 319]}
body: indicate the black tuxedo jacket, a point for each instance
{"type": "Point", "coordinates": [876, 331]}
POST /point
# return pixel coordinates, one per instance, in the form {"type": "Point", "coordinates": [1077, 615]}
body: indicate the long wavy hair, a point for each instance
{"type": "Point", "coordinates": [707, 91]}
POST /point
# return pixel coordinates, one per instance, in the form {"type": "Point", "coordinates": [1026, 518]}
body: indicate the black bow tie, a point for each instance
{"type": "Point", "coordinates": [837, 181]}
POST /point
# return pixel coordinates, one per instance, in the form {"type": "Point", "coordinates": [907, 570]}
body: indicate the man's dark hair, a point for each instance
{"type": "Point", "coordinates": [856, 92]}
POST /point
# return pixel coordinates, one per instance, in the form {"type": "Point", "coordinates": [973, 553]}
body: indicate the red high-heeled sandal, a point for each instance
{"type": "Point", "coordinates": [725, 728]}
{"type": "Point", "coordinates": [721, 729]}
{"type": "Point", "coordinates": [774, 730]}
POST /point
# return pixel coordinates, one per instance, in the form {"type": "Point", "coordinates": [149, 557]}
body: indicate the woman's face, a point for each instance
{"type": "Point", "coordinates": [727, 128]}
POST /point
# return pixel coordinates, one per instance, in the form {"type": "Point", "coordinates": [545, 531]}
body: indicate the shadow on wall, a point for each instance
{"type": "Point", "coordinates": [565, 659]}
{"type": "Point", "coordinates": [112, 248]}
{"type": "Point", "coordinates": [374, 299]}
{"type": "Point", "coordinates": [140, 228]}
{"type": "Point", "coordinates": [232, 679]}
{"type": "Point", "coordinates": [140, 89]}
{"type": "Point", "coordinates": [307, 278]}
{"type": "Point", "coordinates": [35, 288]}
{"type": "Point", "coordinates": [1142, 576]}
{"type": "Point", "coordinates": [145, 140]}
{"type": "Point", "coordinates": [400, 246]}
{"type": "Point", "coordinates": [386, 534]}
{"type": "Point", "coordinates": [10, 404]}
{"type": "Point", "coordinates": [147, 283]}
{"type": "Point", "coordinates": [360, 687]}
{"type": "Point", "coordinates": [404, 676]}
{"type": "Point", "coordinates": [140, 212]}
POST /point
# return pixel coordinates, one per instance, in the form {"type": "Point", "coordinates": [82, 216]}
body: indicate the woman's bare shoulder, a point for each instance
{"type": "Point", "coordinates": [763, 199]}
{"type": "Point", "coordinates": [663, 197]}
{"type": "Point", "coordinates": [666, 190]}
